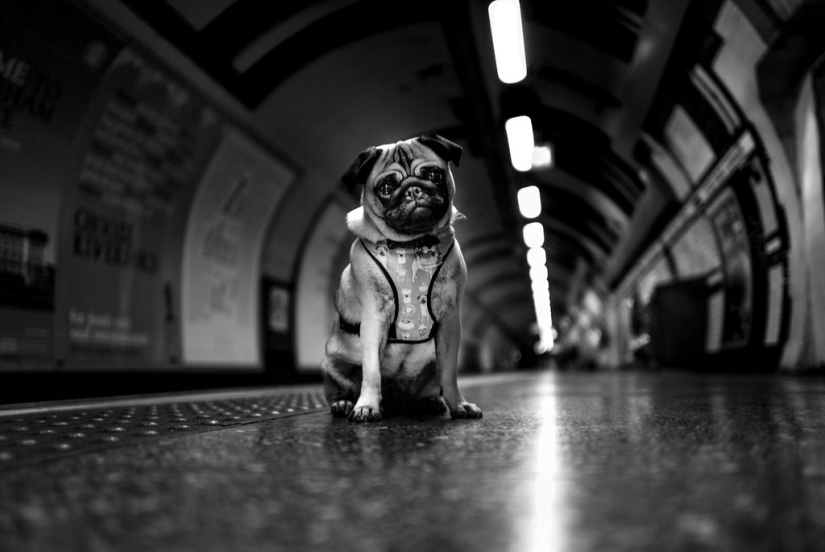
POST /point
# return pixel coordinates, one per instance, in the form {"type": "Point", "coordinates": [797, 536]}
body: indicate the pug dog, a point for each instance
{"type": "Point", "coordinates": [386, 353]}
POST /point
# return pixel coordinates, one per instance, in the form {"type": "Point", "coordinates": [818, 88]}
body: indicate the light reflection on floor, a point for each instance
{"type": "Point", "coordinates": [547, 521]}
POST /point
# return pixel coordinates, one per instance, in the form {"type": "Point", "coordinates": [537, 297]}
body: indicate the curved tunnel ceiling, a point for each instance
{"type": "Point", "coordinates": [337, 76]}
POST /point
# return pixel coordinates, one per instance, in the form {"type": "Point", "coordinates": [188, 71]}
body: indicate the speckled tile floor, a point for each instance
{"type": "Point", "coordinates": [560, 462]}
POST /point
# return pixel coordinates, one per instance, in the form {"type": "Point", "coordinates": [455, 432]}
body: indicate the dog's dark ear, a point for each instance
{"type": "Point", "coordinates": [359, 170]}
{"type": "Point", "coordinates": [449, 151]}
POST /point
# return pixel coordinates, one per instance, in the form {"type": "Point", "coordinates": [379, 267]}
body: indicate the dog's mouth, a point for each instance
{"type": "Point", "coordinates": [417, 215]}
{"type": "Point", "coordinates": [418, 221]}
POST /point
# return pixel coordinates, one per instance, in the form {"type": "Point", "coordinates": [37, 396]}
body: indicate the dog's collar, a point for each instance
{"type": "Point", "coordinates": [362, 225]}
{"type": "Point", "coordinates": [424, 241]}
{"type": "Point", "coordinates": [444, 237]}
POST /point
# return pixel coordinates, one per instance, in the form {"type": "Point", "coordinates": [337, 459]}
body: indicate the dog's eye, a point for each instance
{"type": "Point", "coordinates": [387, 185]}
{"type": "Point", "coordinates": [433, 174]}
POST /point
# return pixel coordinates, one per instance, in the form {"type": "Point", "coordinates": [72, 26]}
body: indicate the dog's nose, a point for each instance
{"type": "Point", "coordinates": [413, 192]}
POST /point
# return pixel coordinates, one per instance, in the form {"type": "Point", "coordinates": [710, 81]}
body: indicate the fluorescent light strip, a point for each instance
{"type": "Point", "coordinates": [542, 157]}
{"type": "Point", "coordinates": [529, 202]}
{"type": "Point", "coordinates": [520, 140]}
{"type": "Point", "coordinates": [536, 256]}
{"type": "Point", "coordinates": [538, 273]}
{"type": "Point", "coordinates": [508, 40]}
{"type": "Point", "coordinates": [534, 234]}
{"type": "Point", "coordinates": [537, 259]}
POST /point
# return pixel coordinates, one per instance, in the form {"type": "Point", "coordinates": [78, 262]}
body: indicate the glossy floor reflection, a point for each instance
{"type": "Point", "coordinates": [560, 462]}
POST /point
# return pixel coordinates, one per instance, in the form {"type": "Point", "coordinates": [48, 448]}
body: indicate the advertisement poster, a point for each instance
{"type": "Point", "coordinates": [140, 150]}
{"type": "Point", "coordinates": [738, 284]}
{"type": "Point", "coordinates": [224, 236]}
{"type": "Point", "coordinates": [688, 144]}
{"type": "Point", "coordinates": [695, 252]}
{"type": "Point", "coordinates": [45, 89]}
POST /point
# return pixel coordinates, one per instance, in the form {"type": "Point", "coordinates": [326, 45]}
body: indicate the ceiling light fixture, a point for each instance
{"type": "Point", "coordinates": [540, 286]}
{"type": "Point", "coordinates": [529, 202]}
{"type": "Point", "coordinates": [508, 40]}
{"type": "Point", "coordinates": [534, 234]}
{"type": "Point", "coordinates": [542, 157]}
{"type": "Point", "coordinates": [536, 256]}
{"type": "Point", "coordinates": [520, 140]}
{"type": "Point", "coordinates": [538, 273]}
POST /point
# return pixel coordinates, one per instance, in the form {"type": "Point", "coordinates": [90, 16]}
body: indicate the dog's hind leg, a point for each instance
{"type": "Point", "coordinates": [428, 401]}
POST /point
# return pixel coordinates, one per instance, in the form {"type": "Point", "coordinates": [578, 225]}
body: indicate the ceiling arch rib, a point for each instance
{"type": "Point", "coordinates": [564, 215]}
{"type": "Point", "coordinates": [556, 196]}
{"type": "Point", "coordinates": [551, 122]}
{"type": "Point", "coordinates": [548, 81]}
{"type": "Point", "coordinates": [562, 247]}
{"type": "Point", "coordinates": [551, 180]}
{"type": "Point", "coordinates": [502, 282]}
{"type": "Point", "coordinates": [178, 30]}
{"type": "Point", "coordinates": [607, 28]}
{"type": "Point", "coordinates": [488, 276]}
{"type": "Point", "coordinates": [245, 21]}
{"type": "Point", "coordinates": [510, 288]}
{"type": "Point", "coordinates": [335, 30]}
{"type": "Point", "coordinates": [485, 276]}
{"type": "Point", "coordinates": [484, 241]}
{"type": "Point", "coordinates": [597, 170]}
{"type": "Point", "coordinates": [563, 262]}
{"type": "Point", "coordinates": [303, 38]}
{"type": "Point", "coordinates": [556, 232]}
{"type": "Point", "coordinates": [582, 167]}
{"type": "Point", "coordinates": [588, 70]}
{"type": "Point", "coordinates": [484, 249]}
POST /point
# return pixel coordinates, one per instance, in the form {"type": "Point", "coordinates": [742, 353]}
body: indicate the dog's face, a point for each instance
{"type": "Point", "coordinates": [408, 186]}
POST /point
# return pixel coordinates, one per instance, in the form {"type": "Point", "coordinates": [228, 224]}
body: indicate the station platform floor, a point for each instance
{"type": "Point", "coordinates": [628, 461]}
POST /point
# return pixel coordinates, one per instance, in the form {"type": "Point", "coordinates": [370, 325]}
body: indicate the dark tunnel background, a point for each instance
{"type": "Point", "coordinates": [171, 216]}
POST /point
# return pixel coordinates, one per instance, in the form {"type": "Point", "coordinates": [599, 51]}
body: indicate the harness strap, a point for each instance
{"type": "Point", "coordinates": [355, 328]}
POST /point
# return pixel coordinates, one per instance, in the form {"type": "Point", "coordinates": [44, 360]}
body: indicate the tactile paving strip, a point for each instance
{"type": "Point", "coordinates": [47, 435]}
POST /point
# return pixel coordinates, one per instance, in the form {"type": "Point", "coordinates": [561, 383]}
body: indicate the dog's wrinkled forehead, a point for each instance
{"type": "Point", "coordinates": [403, 156]}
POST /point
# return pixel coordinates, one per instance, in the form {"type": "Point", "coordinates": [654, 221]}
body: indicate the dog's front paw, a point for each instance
{"type": "Point", "coordinates": [341, 409]}
{"type": "Point", "coordinates": [465, 410]}
{"type": "Point", "coordinates": [365, 414]}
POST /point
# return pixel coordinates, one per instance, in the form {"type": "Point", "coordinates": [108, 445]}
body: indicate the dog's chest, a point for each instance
{"type": "Point", "coordinates": [411, 270]}
{"type": "Point", "coordinates": [405, 363]}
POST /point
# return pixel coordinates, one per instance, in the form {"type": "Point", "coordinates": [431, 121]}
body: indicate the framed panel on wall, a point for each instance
{"type": "Point", "coordinates": [132, 226]}
{"type": "Point", "coordinates": [230, 212]}
{"type": "Point", "coordinates": [734, 245]}
{"type": "Point", "coordinates": [141, 147]}
{"type": "Point", "coordinates": [48, 81]}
